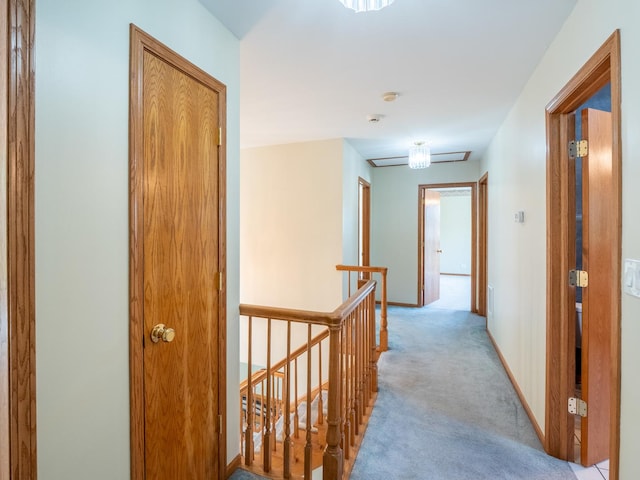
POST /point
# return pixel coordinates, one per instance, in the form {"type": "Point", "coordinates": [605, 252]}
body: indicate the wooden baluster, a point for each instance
{"type": "Point", "coordinates": [384, 334]}
{"type": "Point", "coordinates": [358, 372]}
{"type": "Point", "coordinates": [366, 378]}
{"type": "Point", "coordinates": [307, 446]}
{"type": "Point", "coordinates": [352, 377]}
{"type": "Point", "coordinates": [266, 444]}
{"type": "Point", "coordinates": [248, 436]}
{"type": "Point", "coordinates": [261, 410]}
{"type": "Point", "coordinates": [364, 372]}
{"type": "Point", "coordinates": [346, 383]}
{"type": "Point", "coordinates": [371, 300]}
{"type": "Point", "coordinates": [296, 417]}
{"type": "Point", "coordinates": [367, 350]}
{"type": "Point", "coordinates": [332, 462]}
{"type": "Point", "coordinates": [320, 401]}
{"type": "Point", "coordinates": [275, 408]}
{"type": "Point", "coordinates": [287, 409]}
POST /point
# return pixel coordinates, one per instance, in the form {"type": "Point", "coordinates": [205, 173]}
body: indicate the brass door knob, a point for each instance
{"type": "Point", "coordinates": [160, 332]}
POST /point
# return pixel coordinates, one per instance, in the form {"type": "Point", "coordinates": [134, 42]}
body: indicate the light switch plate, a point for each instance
{"type": "Point", "coordinates": [631, 278]}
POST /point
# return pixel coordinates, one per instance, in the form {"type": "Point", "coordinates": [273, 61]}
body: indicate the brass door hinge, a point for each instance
{"type": "Point", "coordinates": [578, 148]}
{"type": "Point", "coordinates": [219, 136]}
{"type": "Point", "coordinates": [219, 280]}
{"type": "Point", "coordinates": [577, 406]}
{"type": "Point", "coordinates": [578, 278]}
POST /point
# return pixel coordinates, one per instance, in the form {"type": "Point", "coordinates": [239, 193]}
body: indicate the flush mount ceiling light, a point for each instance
{"type": "Point", "coordinates": [365, 5]}
{"type": "Point", "coordinates": [419, 155]}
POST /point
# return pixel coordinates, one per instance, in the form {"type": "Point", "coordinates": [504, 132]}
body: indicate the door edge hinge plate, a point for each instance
{"type": "Point", "coordinates": [578, 148]}
{"type": "Point", "coordinates": [578, 278]}
{"type": "Point", "coordinates": [219, 136]}
{"type": "Point", "coordinates": [219, 280]}
{"type": "Point", "coordinates": [577, 406]}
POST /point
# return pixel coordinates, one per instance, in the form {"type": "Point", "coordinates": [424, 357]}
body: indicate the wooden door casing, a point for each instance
{"type": "Point", "coordinates": [421, 238]}
{"type": "Point", "coordinates": [483, 239]}
{"type": "Point", "coordinates": [602, 68]}
{"type": "Point", "coordinates": [364, 223]}
{"type": "Point", "coordinates": [177, 269]}
{"type": "Point", "coordinates": [18, 442]}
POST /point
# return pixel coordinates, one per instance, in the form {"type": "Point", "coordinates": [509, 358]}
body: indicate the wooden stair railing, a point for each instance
{"type": "Point", "coordinates": [280, 424]}
{"type": "Point", "coordinates": [364, 273]}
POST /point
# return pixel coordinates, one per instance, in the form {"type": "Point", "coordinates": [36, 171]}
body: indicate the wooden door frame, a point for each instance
{"type": "Point", "coordinates": [17, 295]}
{"type": "Point", "coordinates": [483, 239]}
{"type": "Point", "coordinates": [602, 68]}
{"type": "Point", "coordinates": [139, 43]}
{"type": "Point", "coordinates": [365, 258]}
{"type": "Point", "coordinates": [473, 186]}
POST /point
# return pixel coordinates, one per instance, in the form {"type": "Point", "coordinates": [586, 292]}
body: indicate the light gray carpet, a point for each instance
{"type": "Point", "coordinates": [446, 409]}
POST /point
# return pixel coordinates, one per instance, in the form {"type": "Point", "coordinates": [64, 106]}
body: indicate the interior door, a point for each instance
{"type": "Point", "coordinates": [431, 285]}
{"type": "Point", "coordinates": [177, 268]}
{"type": "Point", "coordinates": [597, 298]}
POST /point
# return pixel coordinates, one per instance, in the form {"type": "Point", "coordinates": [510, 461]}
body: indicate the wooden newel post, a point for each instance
{"type": "Point", "coordinates": [332, 462]}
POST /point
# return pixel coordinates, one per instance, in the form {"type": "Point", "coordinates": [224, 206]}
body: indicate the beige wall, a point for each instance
{"type": "Point", "coordinates": [517, 252]}
{"type": "Point", "coordinates": [82, 227]}
{"type": "Point", "coordinates": [299, 212]}
{"type": "Point", "coordinates": [395, 220]}
{"type": "Point", "coordinates": [291, 225]}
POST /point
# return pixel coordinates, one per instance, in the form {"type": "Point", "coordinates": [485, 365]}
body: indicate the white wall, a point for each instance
{"type": "Point", "coordinates": [455, 233]}
{"type": "Point", "coordinates": [82, 298]}
{"type": "Point", "coordinates": [517, 252]}
{"type": "Point", "coordinates": [394, 229]}
{"type": "Point", "coordinates": [291, 225]}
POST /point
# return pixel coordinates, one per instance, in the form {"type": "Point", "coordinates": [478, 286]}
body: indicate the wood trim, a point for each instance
{"type": "Point", "coordinates": [404, 159]}
{"type": "Point", "coordinates": [365, 208]}
{"type": "Point", "coordinates": [233, 466]}
{"type": "Point", "coordinates": [139, 43]}
{"type": "Point", "coordinates": [4, 324]}
{"type": "Point", "coordinates": [601, 68]}
{"type": "Point", "coordinates": [516, 387]}
{"type": "Point", "coordinates": [21, 238]}
{"type": "Point", "coordinates": [400, 304]}
{"type": "Point", "coordinates": [474, 240]}
{"type": "Point", "coordinates": [483, 238]}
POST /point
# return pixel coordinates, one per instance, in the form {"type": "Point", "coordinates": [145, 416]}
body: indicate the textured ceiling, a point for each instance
{"type": "Point", "coordinates": [312, 69]}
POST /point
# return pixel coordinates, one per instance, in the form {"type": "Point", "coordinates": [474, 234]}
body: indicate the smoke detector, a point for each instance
{"type": "Point", "coordinates": [390, 96]}
{"type": "Point", "coordinates": [373, 118]}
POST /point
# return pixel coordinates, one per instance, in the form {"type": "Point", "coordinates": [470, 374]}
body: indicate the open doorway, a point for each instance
{"type": "Point", "coordinates": [583, 224]}
{"type": "Point", "coordinates": [447, 246]}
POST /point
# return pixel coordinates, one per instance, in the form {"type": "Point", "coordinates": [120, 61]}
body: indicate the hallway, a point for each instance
{"type": "Point", "coordinates": [446, 409]}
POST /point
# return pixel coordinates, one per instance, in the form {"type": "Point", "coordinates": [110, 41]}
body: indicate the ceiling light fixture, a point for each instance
{"type": "Point", "coordinates": [365, 5]}
{"type": "Point", "coordinates": [419, 155]}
